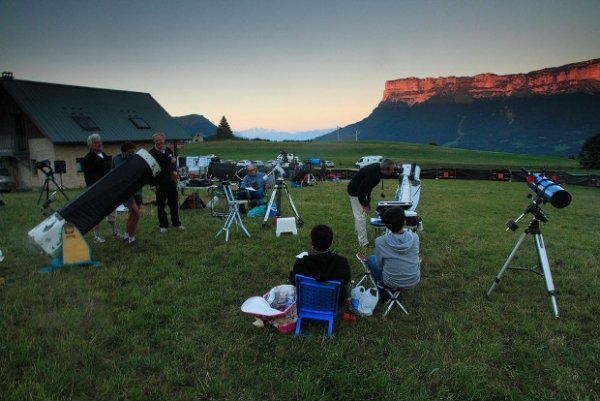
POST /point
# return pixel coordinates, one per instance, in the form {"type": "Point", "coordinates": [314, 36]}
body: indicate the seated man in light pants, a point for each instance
{"type": "Point", "coordinates": [360, 188]}
{"type": "Point", "coordinates": [252, 187]}
{"type": "Point", "coordinates": [396, 262]}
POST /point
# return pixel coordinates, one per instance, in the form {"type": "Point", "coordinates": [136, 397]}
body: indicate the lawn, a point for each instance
{"type": "Point", "coordinates": [345, 154]}
{"type": "Point", "coordinates": [162, 321]}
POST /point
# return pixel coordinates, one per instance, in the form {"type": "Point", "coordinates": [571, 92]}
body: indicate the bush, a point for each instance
{"type": "Point", "coordinates": [589, 157]}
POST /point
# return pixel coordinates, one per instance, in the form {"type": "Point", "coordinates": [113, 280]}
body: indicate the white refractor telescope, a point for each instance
{"type": "Point", "coordinates": [407, 196]}
{"type": "Point", "coordinates": [95, 203]}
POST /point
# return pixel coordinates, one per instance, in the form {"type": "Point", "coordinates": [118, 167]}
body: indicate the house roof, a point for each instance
{"type": "Point", "coordinates": [56, 108]}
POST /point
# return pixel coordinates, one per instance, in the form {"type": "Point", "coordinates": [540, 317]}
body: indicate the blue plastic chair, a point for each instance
{"type": "Point", "coordinates": [316, 300]}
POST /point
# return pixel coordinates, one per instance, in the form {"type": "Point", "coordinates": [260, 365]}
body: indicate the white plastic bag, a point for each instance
{"type": "Point", "coordinates": [364, 300]}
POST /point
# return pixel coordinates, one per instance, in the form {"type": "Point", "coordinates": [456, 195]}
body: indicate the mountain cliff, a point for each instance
{"type": "Point", "coordinates": [581, 77]}
{"type": "Point", "coordinates": [549, 111]}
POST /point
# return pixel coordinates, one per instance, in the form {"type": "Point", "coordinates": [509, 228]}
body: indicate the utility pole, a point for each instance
{"type": "Point", "coordinates": [357, 133]}
{"type": "Point", "coordinates": [338, 132]}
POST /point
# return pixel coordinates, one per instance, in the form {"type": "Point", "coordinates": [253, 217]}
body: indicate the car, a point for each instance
{"type": "Point", "coordinates": [258, 163]}
{"type": "Point", "coordinates": [243, 163]}
{"type": "Point", "coordinates": [329, 164]}
{"type": "Point", "coordinates": [366, 160]}
{"type": "Point", "coordinates": [7, 183]}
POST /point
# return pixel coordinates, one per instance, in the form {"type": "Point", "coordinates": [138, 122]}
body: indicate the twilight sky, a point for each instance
{"type": "Point", "coordinates": [286, 65]}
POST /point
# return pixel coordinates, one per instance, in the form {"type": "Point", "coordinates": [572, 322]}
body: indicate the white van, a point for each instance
{"type": "Point", "coordinates": [366, 160]}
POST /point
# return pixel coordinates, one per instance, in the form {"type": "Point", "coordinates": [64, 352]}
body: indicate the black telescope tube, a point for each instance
{"type": "Point", "coordinates": [98, 201]}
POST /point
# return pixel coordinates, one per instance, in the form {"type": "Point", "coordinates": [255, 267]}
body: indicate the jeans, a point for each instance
{"type": "Point", "coordinates": [376, 272]}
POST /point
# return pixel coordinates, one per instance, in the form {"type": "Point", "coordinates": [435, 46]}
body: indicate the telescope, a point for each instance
{"type": "Point", "coordinates": [407, 196]}
{"type": "Point", "coordinates": [548, 190]}
{"type": "Point", "coordinates": [90, 207]}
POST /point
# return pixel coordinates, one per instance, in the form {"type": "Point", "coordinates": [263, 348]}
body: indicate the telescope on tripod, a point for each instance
{"type": "Point", "coordinates": [44, 167]}
{"type": "Point", "coordinates": [547, 191]}
{"type": "Point", "coordinates": [279, 187]}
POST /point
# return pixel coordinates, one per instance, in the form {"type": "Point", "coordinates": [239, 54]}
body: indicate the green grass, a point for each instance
{"type": "Point", "coordinates": [163, 321]}
{"type": "Point", "coordinates": [345, 154]}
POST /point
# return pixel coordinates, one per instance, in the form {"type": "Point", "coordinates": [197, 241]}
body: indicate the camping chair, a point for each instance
{"type": "Point", "coordinates": [317, 300]}
{"type": "Point", "coordinates": [234, 213]}
{"type": "Point", "coordinates": [395, 294]}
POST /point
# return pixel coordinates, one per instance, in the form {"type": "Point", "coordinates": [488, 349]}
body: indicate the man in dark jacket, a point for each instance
{"type": "Point", "coordinates": [164, 184]}
{"type": "Point", "coordinates": [95, 165]}
{"type": "Point", "coordinates": [360, 188]}
{"type": "Point", "coordinates": [322, 263]}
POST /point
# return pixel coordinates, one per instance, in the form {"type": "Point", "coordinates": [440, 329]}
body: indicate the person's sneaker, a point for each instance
{"type": "Point", "coordinates": [118, 235]}
{"type": "Point", "coordinates": [362, 258]}
{"type": "Point", "coordinates": [132, 243]}
{"type": "Point", "coordinates": [163, 230]}
{"type": "Point", "coordinates": [98, 239]}
{"type": "Point", "coordinates": [181, 228]}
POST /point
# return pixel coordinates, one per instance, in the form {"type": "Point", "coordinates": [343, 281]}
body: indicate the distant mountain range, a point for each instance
{"type": "Point", "coordinates": [550, 111]}
{"type": "Point", "coordinates": [195, 124]}
{"type": "Point", "coordinates": [274, 135]}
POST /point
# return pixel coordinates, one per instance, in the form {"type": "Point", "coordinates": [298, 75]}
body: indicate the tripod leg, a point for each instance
{"type": "Point", "coordinates": [289, 196]}
{"type": "Point", "coordinates": [270, 205]}
{"type": "Point", "coordinates": [545, 268]}
{"type": "Point", "coordinates": [505, 266]}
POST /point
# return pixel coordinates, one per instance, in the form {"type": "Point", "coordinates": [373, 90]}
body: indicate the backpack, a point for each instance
{"type": "Point", "coordinates": [193, 201]}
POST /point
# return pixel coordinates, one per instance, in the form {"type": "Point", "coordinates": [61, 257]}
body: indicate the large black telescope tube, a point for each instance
{"type": "Point", "coordinates": [98, 201]}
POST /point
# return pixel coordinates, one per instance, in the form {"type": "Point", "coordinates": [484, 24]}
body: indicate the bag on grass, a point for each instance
{"type": "Point", "coordinates": [364, 300]}
{"type": "Point", "coordinates": [192, 201]}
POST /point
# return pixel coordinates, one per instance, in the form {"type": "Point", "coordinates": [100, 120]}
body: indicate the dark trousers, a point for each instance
{"type": "Point", "coordinates": [167, 192]}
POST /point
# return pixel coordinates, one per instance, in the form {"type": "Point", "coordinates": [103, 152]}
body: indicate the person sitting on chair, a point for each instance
{"type": "Point", "coordinates": [252, 187]}
{"type": "Point", "coordinates": [322, 263]}
{"type": "Point", "coordinates": [396, 261]}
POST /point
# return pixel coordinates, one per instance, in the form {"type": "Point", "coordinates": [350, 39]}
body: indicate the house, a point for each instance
{"type": "Point", "coordinates": [50, 123]}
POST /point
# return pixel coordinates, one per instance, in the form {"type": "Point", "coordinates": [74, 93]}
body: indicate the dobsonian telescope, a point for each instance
{"type": "Point", "coordinates": [407, 196]}
{"type": "Point", "coordinates": [546, 191]}
{"type": "Point", "coordinates": [71, 222]}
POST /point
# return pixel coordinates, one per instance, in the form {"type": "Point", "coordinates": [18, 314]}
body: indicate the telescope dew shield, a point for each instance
{"type": "Point", "coordinates": [550, 191]}
{"type": "Point", "coordinates": [121, 183]}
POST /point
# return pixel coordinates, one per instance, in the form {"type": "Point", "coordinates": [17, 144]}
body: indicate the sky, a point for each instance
{"type": "Point", "coordinates": [285, 65]}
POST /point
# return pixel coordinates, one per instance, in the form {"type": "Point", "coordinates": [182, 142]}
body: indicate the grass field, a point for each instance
{"type": "Point", "coordinates": [345, 154]}
{"type": "Point", "coordinates": [163, 322]}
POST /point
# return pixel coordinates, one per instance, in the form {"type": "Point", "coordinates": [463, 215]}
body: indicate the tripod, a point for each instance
{"type": "Point", "coordinates": [49, 179]}
{"type": "Point", "coordinates": [234, 213]}
{"type": "Point", "coordinates": [543, 269]}
{"type": "Point", "coordinates": [276, 196]}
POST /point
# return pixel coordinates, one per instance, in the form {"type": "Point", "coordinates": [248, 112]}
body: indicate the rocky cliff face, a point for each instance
{"type": "Point", "coordinates": [582, 77]}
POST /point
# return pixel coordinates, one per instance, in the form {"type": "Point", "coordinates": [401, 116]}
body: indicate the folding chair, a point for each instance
{"type": "Point", "coordinates": [234, 213]}
{"type": "Point", "coordinates": [316, 300]}
{"type": "Point", "coordinates": [395, 294]}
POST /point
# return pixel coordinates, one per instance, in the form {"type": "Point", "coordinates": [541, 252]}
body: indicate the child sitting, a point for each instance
{"type": "Point", "coordinates": [396, 260]}
{"type": "Point", "coordinates": [322, 263]}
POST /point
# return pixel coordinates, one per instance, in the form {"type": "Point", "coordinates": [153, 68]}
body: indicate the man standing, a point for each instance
{"type": "Point", "coordinates": [164, 184]}
{"type": "Point", "coordinates": [95, 165]}
{"type": "Point", "coordinates": [360, 188]}
{"type": "Point", "coordinates": [134, 203]}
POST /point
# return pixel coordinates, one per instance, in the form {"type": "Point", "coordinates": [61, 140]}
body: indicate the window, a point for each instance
{"type": "Point", "coordinates": [32, 167]}
{"type": "Point", "coordinates": [78, 163]}
{"type": "Point", "coordinates": [139, 122]}
{"type": "Point", "coordinates": [86, 123]}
